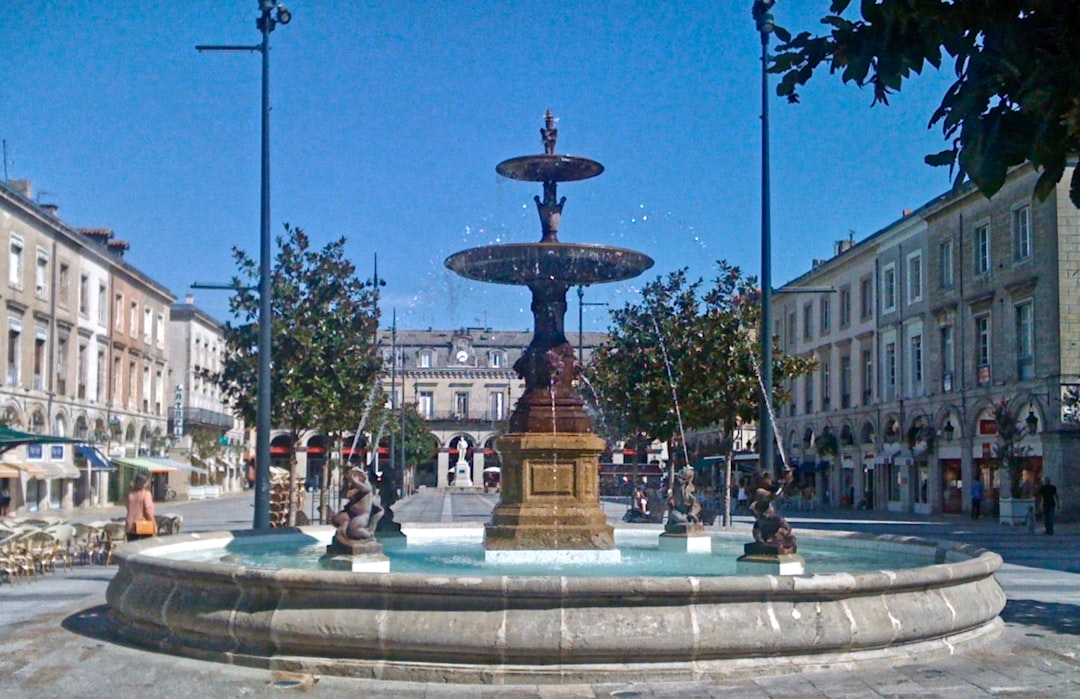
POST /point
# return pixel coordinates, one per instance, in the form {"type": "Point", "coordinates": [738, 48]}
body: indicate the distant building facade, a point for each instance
{"type": "Point", "coordinates": [960, 304]}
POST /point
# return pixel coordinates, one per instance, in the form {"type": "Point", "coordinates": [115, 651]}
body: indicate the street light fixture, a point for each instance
{"type": "Point", "coordinates": [271, 12]}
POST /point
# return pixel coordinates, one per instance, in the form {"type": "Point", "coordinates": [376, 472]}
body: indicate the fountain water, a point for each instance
{"type": "Point", "coordinates": [444, 625]}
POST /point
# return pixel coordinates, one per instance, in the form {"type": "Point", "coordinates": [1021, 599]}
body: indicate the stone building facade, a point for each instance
{"type": "Point", "coordinates": [963, 303]}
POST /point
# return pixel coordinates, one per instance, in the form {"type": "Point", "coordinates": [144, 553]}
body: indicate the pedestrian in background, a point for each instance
{"type": "Point", "coordinates": [1049, 495]}
{"type": "Point", "coordinates": [976, 498]}
{"type": "Point", "coordinates": [140, 522]}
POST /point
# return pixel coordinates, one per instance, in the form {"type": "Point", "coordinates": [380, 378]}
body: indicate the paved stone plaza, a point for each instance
{"type": "Point", "coordinates": [53, 643]}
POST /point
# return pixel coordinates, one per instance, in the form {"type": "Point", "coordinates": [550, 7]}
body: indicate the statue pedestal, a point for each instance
{"type": "Point", "coordinates": [462, 476]}
{"type": "Point", "coordinates": [765, 559]}
{"type": "Point", "coordinates": [693, 539]}
{"type": "Point", "coordinates": [549, 497]}
{"type": "Point", "coordinates": [356, 556]}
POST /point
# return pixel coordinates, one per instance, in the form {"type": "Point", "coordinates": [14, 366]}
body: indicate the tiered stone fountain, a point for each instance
{"type": "Point", "coordinates": [550, 501]}
{"type": "Point", "coordinates": [559, 628]}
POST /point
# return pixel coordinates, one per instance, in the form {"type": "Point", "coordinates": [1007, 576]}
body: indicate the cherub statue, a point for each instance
{"type": "Point", "coordinates": [684, 510]}
{"type": "Point", "coordinates": [357, 520]}
{"type": "Point", "coordinates": [770, 528]}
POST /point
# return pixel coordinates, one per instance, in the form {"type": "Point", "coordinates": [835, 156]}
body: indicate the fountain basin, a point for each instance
{"type": "Point", "coordinates": [557, 629]}
{"type": "Point", "coordinates": [569, 264]}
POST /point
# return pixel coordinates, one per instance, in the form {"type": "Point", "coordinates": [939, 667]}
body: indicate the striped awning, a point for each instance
{"type": "Point", "coordinates": [9, 470]}
{"type": "Point", "coordinates": [155, 464]}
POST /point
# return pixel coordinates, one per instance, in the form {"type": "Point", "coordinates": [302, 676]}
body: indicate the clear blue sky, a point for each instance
{"type": "Point", "coordinates": [388, 119]}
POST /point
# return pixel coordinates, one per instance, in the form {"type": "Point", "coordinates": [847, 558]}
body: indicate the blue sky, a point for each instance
{"type": "Point", "coordinates": [388, 119]}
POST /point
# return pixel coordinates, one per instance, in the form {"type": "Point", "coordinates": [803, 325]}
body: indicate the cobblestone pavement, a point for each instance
{"type": "Point", "coordinates": [53, 642]}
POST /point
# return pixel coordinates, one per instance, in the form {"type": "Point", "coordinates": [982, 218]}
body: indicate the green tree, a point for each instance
{"type": "Point", "coordinates": [1016, 96]}
{"type": "Point", "coordinates": [708, 339]}
{"type": "Point", "coordinates": [323, 323]}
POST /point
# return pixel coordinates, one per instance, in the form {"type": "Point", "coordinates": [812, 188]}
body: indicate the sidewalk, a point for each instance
{"type": "Point", "coordinates": [53, 642]}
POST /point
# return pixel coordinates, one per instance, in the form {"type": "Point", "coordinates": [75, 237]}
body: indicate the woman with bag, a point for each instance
{"type": "Point", "coordinates": [140, 522]}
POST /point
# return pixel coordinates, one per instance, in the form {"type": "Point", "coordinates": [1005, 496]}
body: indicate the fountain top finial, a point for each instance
{"type": "Point", "coordinates": [549, 133]}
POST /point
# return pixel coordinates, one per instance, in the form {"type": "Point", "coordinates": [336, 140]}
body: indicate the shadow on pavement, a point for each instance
{"type": "Point", "coordinates": [1053, 616]}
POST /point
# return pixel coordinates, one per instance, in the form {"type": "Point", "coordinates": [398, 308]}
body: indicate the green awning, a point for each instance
{"type": "Point", "coordinates": [155, 464]}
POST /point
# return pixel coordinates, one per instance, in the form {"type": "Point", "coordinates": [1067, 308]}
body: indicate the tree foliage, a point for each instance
{"type": "Point", "coordinates": [323, 323]}
{"type": "Point", "coordinates": [1016, 96]}
{"type": "Point", "coordinates": [709, 341]}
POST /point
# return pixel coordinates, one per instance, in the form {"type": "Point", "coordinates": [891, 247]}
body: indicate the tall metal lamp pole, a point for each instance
{"type": "Point", "coordinates": [271, 13]}
{"type": "Point", "coordinates": [764, 20]}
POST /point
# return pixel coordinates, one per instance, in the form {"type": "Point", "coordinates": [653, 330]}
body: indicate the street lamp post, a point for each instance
{"type": "Point", "coordinates": [581, 304]}
{"type": "Point", "coordinates": [764, 20]}
{"type": "Point", "coordinates": [271, 12]}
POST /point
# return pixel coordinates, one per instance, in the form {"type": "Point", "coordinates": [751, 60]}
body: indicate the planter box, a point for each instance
{"type": "Point", "coordinates": [1014, 510]}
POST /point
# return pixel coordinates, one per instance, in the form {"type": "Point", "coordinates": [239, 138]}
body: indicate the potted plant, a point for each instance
{"type": "Point", "coordinates": [1010, 456]}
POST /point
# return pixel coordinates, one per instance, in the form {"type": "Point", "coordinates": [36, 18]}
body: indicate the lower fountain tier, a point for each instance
{"type": "Point", "coordinates": [549, 494]}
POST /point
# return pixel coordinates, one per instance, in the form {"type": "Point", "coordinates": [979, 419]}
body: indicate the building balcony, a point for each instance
{"type": "Point", "coordinates": [201, 417]}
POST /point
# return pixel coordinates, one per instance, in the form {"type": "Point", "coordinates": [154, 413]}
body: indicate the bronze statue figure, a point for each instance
{"type": "Point", "coordinates": [772, 533]}
{"type": "Point", "coordinates": [684, 510]}
{"type": "Point", "coordinates": [358, 519]}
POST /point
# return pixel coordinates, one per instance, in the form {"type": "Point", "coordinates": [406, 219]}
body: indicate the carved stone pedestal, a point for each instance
{"type": "Point", "coordinates": [765, 559]}
{"type": "Point", "coordinates": [549, 496]}
{"type": "Point", "coordinates": [357, 556]}
{"type": "Point", "coordinates": [693, 539]}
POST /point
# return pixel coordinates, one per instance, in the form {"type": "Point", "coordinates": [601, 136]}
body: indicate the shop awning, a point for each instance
{"type": "Point", "coordinates": [143, 465]}
{"type": "Point", "coordinates": [177, 465]}
{"type": "Point", "coordinates": [9, 471]}
{"type": "Point", "coordinates": [44, 470]}
{"type": "Point", "coordinates": [95, 457]}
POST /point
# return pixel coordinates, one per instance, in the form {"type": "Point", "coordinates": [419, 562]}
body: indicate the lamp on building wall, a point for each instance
{"type": "Point", "coordinates": [1032, 422]}
{"type": "Point", "coordinates": [948, 430]}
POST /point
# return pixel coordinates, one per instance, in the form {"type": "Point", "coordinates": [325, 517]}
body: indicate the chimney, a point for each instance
{"type": "Point", "coordinates": [842, 246]}
{"type": "Point", "coordinates": [52, 210]}
{"type": "Point", "coordinates": [907, 212]}
{"type": "Point", "coordinates": [189, 299]}
{"type": "Point", "coordinates": [23, 187]}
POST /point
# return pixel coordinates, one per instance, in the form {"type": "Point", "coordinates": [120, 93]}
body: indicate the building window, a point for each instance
{"type": "Point", "coordinates": [808, 393]}
{"type": "Point", "coordinates": [982, 249]}
{"type": "Point", "coordinates": [982, 348]}
{"type": "Point", "coordinates": [133, 319]}
{"type": "Point", "coordinates": [845, 306]}
{"type": "Point", "coordinates": [945, 265]}
{"type": "Point", "coordinates": [14, 354]}
{"type": "Point", "coordinates": [148, 323]}
{"type": "Point", "coordinates": [947, 359]}
{"type": "Point", "coordinates": [425, 359]}
{"type": "Point", "coordinates": [1025, 342]}
{"type": "Point", "coordinates": [41, 276]}
{"type": "Point", "coordinates": [84, 296]}
{"type": "Point", "coordinates": [1022, 232]}
{"type": "Point", "coordinates": [808, 321]}
{"type": "Point", "coordinates": [866, 299]}
{"type": "Point", "coordinates": [497, 406]}
{"type": "Point", "coordinates": [61, 365]}
{"type": "Point", "coordinates": [845, 382]}
{"type": "Point", "coordinates": [914, 277]}
{"type": "Point", "coordinates": [890, 371]}
{"type": "Point", "coordinates": [40, 341]}
{"type": "Point", "coordinates": [868, 377]}
{"type": "Point", "coordinates": [826, 393]}
{"type": "Point", "coordinates": [65, 283]}
{"type": "Point", "coordinates": [824, 310]}
{"type": "Point", "coordinates": [461, 405]}
{"type": "Point", "coordinates": [496, 361]}
{"type": "Point", "coordinates": [15, 257]}
{"type": "Point", "coordinates": [916, 365]}
{"type": "Point", "coordinates": [118, 311]}
{"type": "Point", "coordinates": [102, 307]}
{"type": "Point", "coordinates": [425, 404]}
{"type": "Point", "coordinates": [888, 288]}
{"type": "Point", "coordinates": [80, 372]}
{"type": "Point", "coordinates": [791, 330]}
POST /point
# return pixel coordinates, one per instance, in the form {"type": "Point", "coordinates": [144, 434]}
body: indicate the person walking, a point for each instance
{"type": "Point", "coordinates": [976, 497]}
{"type": "Point", "coordinates": [1048, 493]}
{"type": "Point", "coordinates": [140, 522]}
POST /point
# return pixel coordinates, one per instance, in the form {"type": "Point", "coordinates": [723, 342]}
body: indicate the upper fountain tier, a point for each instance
{"type": "Point", "coordinates": [549, 261]}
